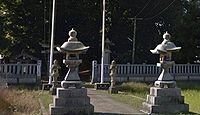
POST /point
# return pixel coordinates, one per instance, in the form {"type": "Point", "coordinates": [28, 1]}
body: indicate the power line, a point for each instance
{"type": "Point", "coordinates": [134, 21]}
{"type": "Point", "coordinates": [152, 8]}
{"type": "Point", "coordinates": [160, 11]}
{"type": "Point", "coordinates": [143, 8]}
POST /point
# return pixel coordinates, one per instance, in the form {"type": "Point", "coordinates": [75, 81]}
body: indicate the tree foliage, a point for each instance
{"type": "Point", "coordinates": [21, 25]}
{"type": "Point", "coordinates": [187, 31]}
{"type": "Point", "coordinates": [25, 23]}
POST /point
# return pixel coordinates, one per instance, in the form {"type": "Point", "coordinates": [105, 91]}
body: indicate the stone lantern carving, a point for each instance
{"type": "Point", "coordinates": [165, 97]}
{"type": "Point", "coordinates": [72, 98]}
{"type": "Point", "coordinates": [55, 74]}
{"type": "Point", "coordinates": [113, 74]}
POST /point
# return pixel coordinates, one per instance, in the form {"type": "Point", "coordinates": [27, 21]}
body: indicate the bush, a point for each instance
{"type": "Point", "coordinates": [134, 87]}
{"type": "Point", "coordinates": [187, 85]}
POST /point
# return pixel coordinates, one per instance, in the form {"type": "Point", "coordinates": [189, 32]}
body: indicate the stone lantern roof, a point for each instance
{"type": "Point", "coordinates": [73, 45]}
{"type": "Point", "coordinates": [165, 46]}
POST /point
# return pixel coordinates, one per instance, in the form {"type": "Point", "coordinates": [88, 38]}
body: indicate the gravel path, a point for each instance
{"type": "Point", "coordinates": [104, 105]}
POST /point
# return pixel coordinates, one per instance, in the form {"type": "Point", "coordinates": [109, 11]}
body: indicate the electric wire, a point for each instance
{"type": "Point", "coordinates": [156, 5]}
{"type": "Point", "coordinates": [160, 11]}
{"type": "Point", "coordinates": [143, 8]}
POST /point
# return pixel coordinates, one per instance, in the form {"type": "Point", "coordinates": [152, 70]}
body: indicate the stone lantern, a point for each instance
{"type": "Point", "coordinates": [72, 98]}
{"type": "Point", "coordinates": [165, 97]}
{"type": "Point", "coordinates": [165, 50]}
{"type": "Point", "coordinates": [72, 48]}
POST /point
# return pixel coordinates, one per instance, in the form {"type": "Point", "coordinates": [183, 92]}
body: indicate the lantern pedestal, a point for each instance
{"type": "Point", "coordinates": [165, 100]}
{"type": "Point", "coordinates": [71, 101]}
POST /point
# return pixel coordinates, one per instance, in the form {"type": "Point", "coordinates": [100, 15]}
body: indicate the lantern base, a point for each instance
{"type": "Point", "coordinates": [71, 101]}
{"type": "Point", "coordinates": [165, 84]}
{"type": "Point", "coordinates": [165, 101]}
{"type": "Point", "coordinates": [76, 84]}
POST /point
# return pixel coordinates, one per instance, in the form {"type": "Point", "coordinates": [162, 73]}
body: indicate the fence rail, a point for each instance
{"type": "Point", "coordinates": [146, 72]}
{"type": "Point", "coordinates": [21, 73]}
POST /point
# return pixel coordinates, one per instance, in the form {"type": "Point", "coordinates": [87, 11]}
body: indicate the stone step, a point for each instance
{"type": "Point", "coordinates": [84, 110]}
{"type": "Point", "coordinates": [162, 100]}
{"type": "Point", "coordinates": [71, 92]}
{"type": "Point", "coordinates": [156, 91]}
{"type": "Point", "coordinates": [168, 108]}
{"type": "Point", "coordinates": [75, 102]}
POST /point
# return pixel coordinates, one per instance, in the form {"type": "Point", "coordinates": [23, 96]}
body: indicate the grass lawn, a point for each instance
{"type": "Point", "coordinates": [192, 97]}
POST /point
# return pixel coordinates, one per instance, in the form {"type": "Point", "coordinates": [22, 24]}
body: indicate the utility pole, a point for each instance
{"type": "Point", "coordinates": [134, 23]}
{"type": "Point", "coordinates": [103, 43]}
{"type": "Point", "coordinates": [52, 42]}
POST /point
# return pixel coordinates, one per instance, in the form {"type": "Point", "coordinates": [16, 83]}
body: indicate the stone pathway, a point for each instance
{"type": "Point", "coordinates": [104, 105]}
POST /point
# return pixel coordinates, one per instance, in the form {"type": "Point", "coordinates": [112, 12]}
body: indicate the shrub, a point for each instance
{"type": "Point", "coordinates": [134, 87]}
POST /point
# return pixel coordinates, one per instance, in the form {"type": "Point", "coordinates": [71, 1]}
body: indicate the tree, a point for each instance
{"type": "Point", "coordinates": [187, 31]}
{"type": "Point", "coordinates": [21, 26]}
{"type": "Point", "coordinates": [22, 21]}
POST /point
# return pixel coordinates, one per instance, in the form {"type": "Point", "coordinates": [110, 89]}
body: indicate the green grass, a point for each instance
{"type": "Point", "coordinates": [192, 97]}
{"type": "Point", "coordinates": [46, 99]}
{"type": "Point", "coordinates": [135, 88]}
{"type": "Point", "coordinates": [191, 91]}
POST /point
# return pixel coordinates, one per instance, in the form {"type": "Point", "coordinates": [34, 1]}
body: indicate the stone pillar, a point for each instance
{"type": "Point", "coordinates": [94, 72]}
{"type": "Point", "coordinates": [107, 51]}
{"type": "Point", "coordinates": [39, 68]}
{"type": "Point", "coordinates": [105, 86]}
